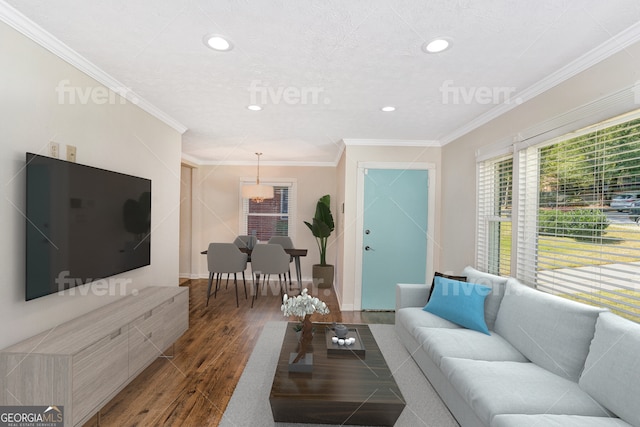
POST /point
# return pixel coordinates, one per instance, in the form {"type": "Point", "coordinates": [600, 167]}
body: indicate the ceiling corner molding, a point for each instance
{"type": "Point", "coordinates": [30, 29]}
{"type": "Point", "coordinates": [341, 147]}
{"type": "Point", "coordinates": [605, 50]}
{"type": "Point", "coordinates": [190, 160]}
{"type": "Point", "coordinates": [301, 164]}
{"type": "Point", "coordinates": [252, 163]}
{"type": "Point", "coordinates": [392, 142]}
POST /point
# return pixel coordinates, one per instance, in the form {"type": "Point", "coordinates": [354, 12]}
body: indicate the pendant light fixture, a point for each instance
{"type": "Point", "coordinates": [257, 192]}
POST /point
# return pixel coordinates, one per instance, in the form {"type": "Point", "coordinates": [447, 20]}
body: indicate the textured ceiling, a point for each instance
{"type": "Point", "coordinates": [323, 69]}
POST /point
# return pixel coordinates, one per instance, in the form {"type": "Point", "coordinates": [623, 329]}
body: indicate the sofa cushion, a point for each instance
{"type": "Point", "coordinates": [551, 331]}
{"type": "Point", "coordinates": [551, 420]}
{"type": "Point", "coordinates": [459, 302]}
{"type": "Point", "coordinates": [497, 285]}
{"type": "Point", "coordinates": [493, 388]}
{"type": "Point", "coordinates": [612, 370]}
{"type": "Point", "coordinates": [466, 344]}
{"type": "Point", "coordinates": [413, 317]}
{"type": "Point", "coordinates": [411, 295]}
{"type": "Point", "coordinates": [447, 276]}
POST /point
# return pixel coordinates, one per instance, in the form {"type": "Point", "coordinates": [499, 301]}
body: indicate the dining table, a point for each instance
{"type": "Point", "coordinates": [295, 253]}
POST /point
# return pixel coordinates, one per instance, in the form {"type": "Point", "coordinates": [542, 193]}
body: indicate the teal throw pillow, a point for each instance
{"type": "Point", "coordinates": [459, 302]}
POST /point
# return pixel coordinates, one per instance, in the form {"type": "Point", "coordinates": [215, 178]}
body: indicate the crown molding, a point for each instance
{"type": "Point", "coordinates": [30, 29]}
{"type": "Point", "coordinates": [341, 147]}
{"type": "Point", "coordinates": [392, 142]}
{"type": "Point", "coordinates": [191, 160]}
{"type": "Point", "coordinates": [605, 50]}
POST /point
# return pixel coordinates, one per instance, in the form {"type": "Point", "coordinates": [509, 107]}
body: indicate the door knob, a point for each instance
{"type": "Point", "coordinates": [368, 248]}
{"type": "Point", "coordinates": [367, 231]}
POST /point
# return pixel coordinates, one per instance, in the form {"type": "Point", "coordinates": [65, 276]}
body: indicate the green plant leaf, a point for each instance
{"type": "Point", "coordinates": [322, 225]}
{"type": "Point", "coordinates": [324, 216]}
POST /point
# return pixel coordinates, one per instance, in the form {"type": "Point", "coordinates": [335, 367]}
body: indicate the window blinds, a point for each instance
{"type": "Point", "coordinates": [570, 241]}
{"type": "Point", "coordinates": [495, 179]}
{"type": "Point", "coordinates": [272, 217]}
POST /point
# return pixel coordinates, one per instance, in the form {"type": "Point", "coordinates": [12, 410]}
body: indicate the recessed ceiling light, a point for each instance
{"type": "Point", "coordinates": [436, 45]}
{"type": "Point", "coordinates": [254, 107]}
{"type": "Point", "coordinates": [217, 42]}
{"type": "Point", "coordinates": [388, 109]}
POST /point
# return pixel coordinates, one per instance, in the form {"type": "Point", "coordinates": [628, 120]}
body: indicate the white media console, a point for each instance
{"type": "Point", "coordinates": [84, 363]}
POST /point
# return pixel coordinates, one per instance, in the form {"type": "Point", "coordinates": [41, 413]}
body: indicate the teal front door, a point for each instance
{"type": "Point", "coordinates": [394, 235]}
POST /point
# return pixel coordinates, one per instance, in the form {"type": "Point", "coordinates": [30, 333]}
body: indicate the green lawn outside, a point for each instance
{"type": "Point", "coordinates": [505, 247]}
{"type": "Point", "coordinates": [602, 298]}
{"type": "Point", "coordinates": [620, 243]}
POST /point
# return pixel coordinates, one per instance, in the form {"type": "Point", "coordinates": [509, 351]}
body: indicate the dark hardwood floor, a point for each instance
{"type": "Point", "coordinates": [194, 387]}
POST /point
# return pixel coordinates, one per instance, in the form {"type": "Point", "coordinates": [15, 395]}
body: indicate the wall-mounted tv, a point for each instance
{"type": "Point", "coordinates": [83, 224]}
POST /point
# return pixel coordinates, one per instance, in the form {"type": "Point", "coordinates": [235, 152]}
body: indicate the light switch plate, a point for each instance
{"type": "Point", "coordinates": [54, 149]}
{"type": "Point", "coordinates": [71, 153]}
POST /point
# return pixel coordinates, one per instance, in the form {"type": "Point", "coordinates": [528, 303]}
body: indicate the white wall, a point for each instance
{"type": "Point", "coordinates": [459, 157]}
{"type": "Point", "coordinates": [186, 234]}
{"type": "Point", "coordinates": [340, 225]}
{"type": "Point", "coordinates": [216, 207]}
{"type": "Point", "coordinates": [111, 135]}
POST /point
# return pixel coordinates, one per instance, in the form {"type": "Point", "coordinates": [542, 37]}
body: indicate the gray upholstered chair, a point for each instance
{"type": "Point", "coordinates": [225, 258]}
{"type": "Point", "coordinates": [267, 259]}
{"type": "Point", "coordinates": [286, 243]}
{"type": "Point", "coordinates": [243, 241]}
{"type": "Point", "coordinates": [246, 241]}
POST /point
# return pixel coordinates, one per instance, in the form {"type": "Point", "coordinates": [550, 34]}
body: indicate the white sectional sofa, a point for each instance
{"type": "Point", "coordinates": [548, 361]}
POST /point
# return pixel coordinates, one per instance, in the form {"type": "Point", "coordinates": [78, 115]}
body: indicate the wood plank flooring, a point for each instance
{"type": "Point", "coordinates": [194, 387]}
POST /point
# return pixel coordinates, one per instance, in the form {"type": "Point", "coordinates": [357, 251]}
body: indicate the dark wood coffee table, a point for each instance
{"type": "Point", "coordinates": [342, 389]}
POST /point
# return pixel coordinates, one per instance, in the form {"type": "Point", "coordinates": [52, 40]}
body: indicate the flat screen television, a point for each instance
{"type": "Point", "coordinates": [83, 224]}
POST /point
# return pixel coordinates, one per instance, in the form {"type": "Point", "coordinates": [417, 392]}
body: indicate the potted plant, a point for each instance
{"type": "Point", "coordinates": [302, 307]}
{"type": "Point", "coordinates": [322, 227]}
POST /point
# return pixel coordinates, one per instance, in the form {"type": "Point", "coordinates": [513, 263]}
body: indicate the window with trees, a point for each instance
{"type": "Point", "coordinates": [495, 178]}
{"type": "Point", "coordinates": [576, 204]}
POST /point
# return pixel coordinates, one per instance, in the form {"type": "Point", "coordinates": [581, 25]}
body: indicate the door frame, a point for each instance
{"type": "Point", "coordinates": [431, 198]}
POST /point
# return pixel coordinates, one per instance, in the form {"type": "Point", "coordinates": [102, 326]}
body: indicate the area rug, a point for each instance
{"type": "Point", "coordinates": [249, 404]}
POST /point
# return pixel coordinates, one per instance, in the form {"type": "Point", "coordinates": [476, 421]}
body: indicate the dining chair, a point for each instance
{"type": "Point", "coordinates": [244, 241]}
{"type": "Point", "coordinates": [286, 243]}
{"type": "Point", "coordinates": [267, 259]}
{"type": "Point", "coordinates": [225, 258]}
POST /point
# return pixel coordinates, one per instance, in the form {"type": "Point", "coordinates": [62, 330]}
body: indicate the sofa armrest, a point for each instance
{"type": "Point", "coordinates": [411, 295]}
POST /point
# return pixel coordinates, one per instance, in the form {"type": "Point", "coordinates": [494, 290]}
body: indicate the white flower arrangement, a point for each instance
{"type": "Point", "coordinates": [302, 304]}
